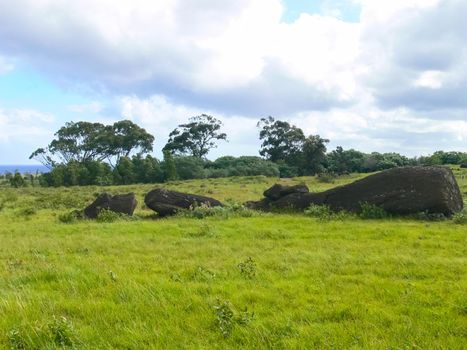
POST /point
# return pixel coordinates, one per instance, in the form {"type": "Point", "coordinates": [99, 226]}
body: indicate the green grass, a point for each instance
{"type": "Point", "coordinates": [186, 283]}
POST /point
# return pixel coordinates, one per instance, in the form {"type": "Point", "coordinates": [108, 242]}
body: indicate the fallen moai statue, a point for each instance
{"type": "Point", "coordinates": [122, 203]}
{"type": "Point", "coordinates": [405, 190]}
{"type": "Point", "coordinates": [167, 202]}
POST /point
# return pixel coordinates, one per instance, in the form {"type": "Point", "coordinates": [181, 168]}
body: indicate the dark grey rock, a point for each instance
{"type": "Point", "coordinates": [167, 202]}
{"type": "Point", "coordinates": [123, 203]}
{"type": "Point", "coordinates": [278, 191]}
{"type": "Point", "coordinates": [404, 190]}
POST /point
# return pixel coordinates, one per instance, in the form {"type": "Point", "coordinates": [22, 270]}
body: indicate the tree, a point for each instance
{"type": "Point", "coordinates": [170, 171]}
{"type": "Point", "coordinates": [189, 168]}
{"type": "Point", "coordinates": [342, 161]}
{"type": "Point", "coordinates": [84, 142]}
{"type": "Point", "coordinates": [314, 155]}
{"type": "Point", "coordinates": [197, 137]}
{"type": "Point", "coordinates": [78, 142]}
{"type": "Point", "coordinates": [281, 141]}
{"type": "Point", "coordinates": [124, 137]}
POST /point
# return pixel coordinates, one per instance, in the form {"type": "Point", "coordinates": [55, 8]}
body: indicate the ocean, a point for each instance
{"type": "Point", "coordinates": [32, 169]}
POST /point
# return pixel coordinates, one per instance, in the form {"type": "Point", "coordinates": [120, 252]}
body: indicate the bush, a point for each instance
{"type": "Point", "coordinates": [242, 166]}
{"type": "Point", "coordinates": [460, 217]}
{"type": "Point", "coordinates": [324, 213]}
{"type": "Point", "coordinates": [189, 168]}
{"type": "Point", "coordinates": [287, 171]}
{"type": "Point", "coordinates": [326, 177]}
{"type": "Point", "coordinates": [370, 212]}
{"type": "Point", "coordinates": [61, 330]}
{"type": "Point", "coordinates": [69, 218]}
{"type": "Point", "coordinates": [108, 216]}
{"type": "Point", "coordinates": [248, 268]}
{"type": "Point", "coordinates": [225, 212]}
{"type": "Point", "coordinates": [321, 212]}
{"type": "Point", "coordinates": [227, 317]}
{"type": "Point", "coordinates": [27, 212]}
{"type": "Point", "coordinates": [17, 181]}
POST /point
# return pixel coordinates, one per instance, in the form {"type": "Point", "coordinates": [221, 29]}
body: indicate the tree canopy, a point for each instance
{"type": "Point", "coordinates": [281, 141]}
{"type": "Point", "coordinates": [287, 145]}
{"type": "Point", "coordinates": [197, 137]}
{"type": "Point", "coordinates": [83, 142]}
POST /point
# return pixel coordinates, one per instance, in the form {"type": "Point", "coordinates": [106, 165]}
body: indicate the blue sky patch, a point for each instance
{"type": "Point", "coordinates": [346, 10]}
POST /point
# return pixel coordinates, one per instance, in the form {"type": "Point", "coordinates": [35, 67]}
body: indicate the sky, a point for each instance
{"type": "Point", "coordinates": [374, 75]}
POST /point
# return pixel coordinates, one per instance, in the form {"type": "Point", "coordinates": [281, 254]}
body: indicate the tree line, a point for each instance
{"type": "Point", "coordinates": [85, 153]}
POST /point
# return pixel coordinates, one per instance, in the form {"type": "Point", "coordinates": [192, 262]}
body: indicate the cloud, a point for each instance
{"type": "Point", "coordinates": [371, 129]}
{"type": "Point", "coordinates": [160, 116]}
{"type": "Point", "coordinates": [418, 56]}
{"type": "Point", "coordinates": [92, 107]}
{"type": "Point", "coordinates": [18, 123]}
{"type": "Point", "coordinates": [394, 80]}
{"type": "Point", "coordinates": [23, 131]}
{"type": "Point", "coordinates": [361, 126]}
{"type": "Point", "coordinates": [200, 53]}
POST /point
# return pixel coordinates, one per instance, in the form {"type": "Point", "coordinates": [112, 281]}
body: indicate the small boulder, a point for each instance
{"type": "Point", "coordinates": [166, 202]}
{"type": "Point", "coordinates": [123, 203]}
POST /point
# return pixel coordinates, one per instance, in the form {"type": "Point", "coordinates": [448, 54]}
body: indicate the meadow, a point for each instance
{"type": "Point", "coordinates": [236, 280]}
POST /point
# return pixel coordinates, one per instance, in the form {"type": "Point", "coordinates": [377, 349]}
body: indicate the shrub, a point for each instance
{"type": "Point", "coordinates": [321, 212]}
{"type": "Point", "coordinates": [69, 218]}
{"type": "Point", "coordinates": [17, 181]}
{"type": "Point", "coordinates": [224, 317]}
{"type": "Point", "coordinates": [227, 317]}
{"type": "Point", "coordinates": [460, 217]}
{"type": "Point", "coordinates": [16, 339]}
{"type": "Point", "coordinates": [108, 216]}
{"type": "Point", "coordinates": [371, 211]}
{"type": "Point", "coordinates": [248, 268]}
{"type": "Point", "coordinates": [189, 168]}
{"type": "Point", "coordinates": [225, 212]}
{"type": "Point", "coordinates": [27, 212]}
{"type": "Point", "coordinates": [324, 213]}
{"type": "Point", "coordinates": [426, 216]}
{"type": "Point", "coordinates": [61, 330]}
{"type": "Point", "coordinates": [326, 177]}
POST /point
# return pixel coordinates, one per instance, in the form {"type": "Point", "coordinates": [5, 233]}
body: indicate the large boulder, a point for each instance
{"type": "Point", "coordinates": [399, 191]}
{"type": "Point", "coordinates": [167, 202]}
{"type": "Point", "coordinates": [123, 203]}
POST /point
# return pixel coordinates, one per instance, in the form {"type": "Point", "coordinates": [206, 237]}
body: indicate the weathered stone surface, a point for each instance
{"type": "Point", "coordinates": [399, 191]}
{"type": "Point", "coordinates": [123, 203]}
{"type": "Point", "coordinates": [166, 202]}
{"type": "Point", "coordinates": [278, 191]}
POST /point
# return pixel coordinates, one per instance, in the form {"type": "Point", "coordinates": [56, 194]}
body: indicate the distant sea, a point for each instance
{"type": "Point", "coordinates": [23, 169]}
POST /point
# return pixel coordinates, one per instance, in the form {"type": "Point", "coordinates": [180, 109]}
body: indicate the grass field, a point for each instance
{"type": "Point", "coordinates": [266, 281]}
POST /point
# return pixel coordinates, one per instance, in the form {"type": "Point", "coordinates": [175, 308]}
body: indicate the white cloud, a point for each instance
{"type": "Point", "coordinates": [202, 52]}
{"type": "Point", "coordinates": [395, 80]}
{"type": "Point", "coordinates": [20, 124]}
{"type": "Point", "coordinates": [160, 116]}
{"type": "Point", "coordinates": [92, 107]}
{"type": "Point", "coordinates": [430, 79]}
